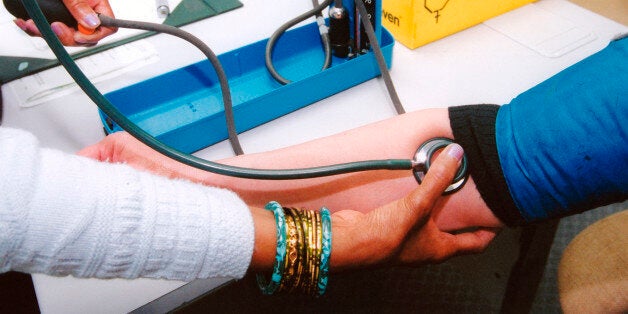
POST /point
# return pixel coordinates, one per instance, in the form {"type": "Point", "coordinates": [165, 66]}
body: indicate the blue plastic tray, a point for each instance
{"type": "Point", "coordinates": [183, 108]}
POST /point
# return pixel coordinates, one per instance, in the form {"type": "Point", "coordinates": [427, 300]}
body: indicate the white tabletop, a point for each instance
{"type": "Point", "coordinates": [489, 63]}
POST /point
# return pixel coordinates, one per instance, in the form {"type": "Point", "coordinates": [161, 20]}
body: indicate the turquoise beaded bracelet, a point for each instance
{"type": "Point", "coordinates": [270, 286]}
{"type": "Point", "coordinates": [325, 250]}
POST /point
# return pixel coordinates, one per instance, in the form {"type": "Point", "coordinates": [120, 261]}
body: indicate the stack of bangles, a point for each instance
{"type": "Point", "coordinates": [303, 250]}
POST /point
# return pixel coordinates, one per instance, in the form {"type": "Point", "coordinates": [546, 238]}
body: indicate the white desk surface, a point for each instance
{"type": "Point", "coordinates": [478, 65]}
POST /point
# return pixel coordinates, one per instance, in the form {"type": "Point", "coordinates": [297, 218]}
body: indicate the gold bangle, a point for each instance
{"type": "Point", "coordinates": [318, 251]}
{"type": "Point", "coordinates": [304, 246]}
{"type": "Point", "coordinates": [303, 215]}
{"type": "Point", "coordinates": [291, 252]}
{"type": "Point", "coordinates": [313, 250]}
{"type": "Point", "coordinates": [315, 254]}
{"type": "Point", "coordinates": [300, 248]}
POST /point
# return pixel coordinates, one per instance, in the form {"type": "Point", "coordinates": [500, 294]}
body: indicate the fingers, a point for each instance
{"type": "Point", "coordinates": [474, 242]}
{"type": "Point", "coordinates": [413, 211]}
{"type": "Point", "coordinates": [88, 25]}
{"type": "Point", "coordinates": [27, 26]}
{"type": "Point", "coordinates": [436, 180]}
{"type": "Point", "coordinates": [103, 150]}
{"type": "Point", "coordinates": [83, 13]}
{"type": "Point", "coordinates": [92, 151]}
{"type": "Point", "coordinates": [103, 7]}
{"type": "Point", "coordinates": [434, 246]}
{"type": "Point", "coordinates": [82, 39]}
{"type": "Point", "coordinates": [86, 15]}
{"type": "Point", "coordinates": [64, 33]}
{"type": "Point", "coordinates": [448, 245]}
{"type": "Point", "coordinates": [109, 148]}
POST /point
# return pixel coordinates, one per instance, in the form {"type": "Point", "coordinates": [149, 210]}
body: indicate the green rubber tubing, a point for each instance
{"type": "Point", "coordinates": [105, 105]}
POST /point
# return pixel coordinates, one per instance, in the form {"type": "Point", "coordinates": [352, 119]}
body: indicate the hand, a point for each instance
{"type": "Point", "coordinates": [121, 147]}
{"type": "Point", "coordinates": [404, 232]}
{"type": "Point", "coordinates": [86, 13]}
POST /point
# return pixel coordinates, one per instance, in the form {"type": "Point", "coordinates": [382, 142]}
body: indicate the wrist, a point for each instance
{"type": "Point", "coordinates": [352, 246]}
{"type": "Point", "coordinates": [302, 251]}
{"type": "Point", "coordinates": [265, 240]}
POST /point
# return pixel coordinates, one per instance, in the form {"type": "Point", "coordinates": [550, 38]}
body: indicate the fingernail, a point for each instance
{"type": "Point", "coordinates": [92, 20]}
{"type": "Point", "coordinates": [455, 151]}
{"type": "Point", "coordinates": [56, 29]}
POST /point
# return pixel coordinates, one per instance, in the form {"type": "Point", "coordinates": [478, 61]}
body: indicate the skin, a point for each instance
{"type": "Point", "coordinates": [365, 204]}
{"type": "Point", "coordinates": [86, 14]}
{"type": "Point", "coordinates": [401, 232]}
{"type": "Point", "coordinates": [362, 191]}
{"type": "Point", "coordinates": [384, 216]}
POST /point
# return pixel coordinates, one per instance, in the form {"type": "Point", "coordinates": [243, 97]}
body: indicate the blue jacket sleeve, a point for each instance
{"type": "Point", "coordinates": [563, 145]}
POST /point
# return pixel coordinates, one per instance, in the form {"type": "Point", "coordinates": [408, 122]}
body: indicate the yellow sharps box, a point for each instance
{"type": "Point", "coordinates": [417, 22]}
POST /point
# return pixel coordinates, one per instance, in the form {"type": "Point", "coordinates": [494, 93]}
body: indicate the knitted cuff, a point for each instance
{"type": "Point", "coordinates": [473, 127]}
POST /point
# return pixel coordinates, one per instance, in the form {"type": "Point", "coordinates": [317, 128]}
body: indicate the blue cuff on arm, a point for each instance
{"type": "Point", "coordinates": [563, 145]}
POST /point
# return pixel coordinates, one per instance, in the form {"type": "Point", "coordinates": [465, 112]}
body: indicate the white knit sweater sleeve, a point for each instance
{"type": "Point", "coordinates": [62, 214]}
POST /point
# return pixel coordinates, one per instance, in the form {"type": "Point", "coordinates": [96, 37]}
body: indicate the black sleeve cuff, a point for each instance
{"type": "Point", "coordinates": [473, 127]}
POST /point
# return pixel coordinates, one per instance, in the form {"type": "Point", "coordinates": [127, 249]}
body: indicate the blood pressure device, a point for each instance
{"type": "Point", "coordinates": [345, 41]}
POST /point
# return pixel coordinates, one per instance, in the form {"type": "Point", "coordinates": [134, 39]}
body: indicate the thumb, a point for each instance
{"type": "Point", "coordinates": [83, 13]}
{"type": "Point", "coordinates": [440, 175]}
{"type": "Point", "coordinates": [92, 151]}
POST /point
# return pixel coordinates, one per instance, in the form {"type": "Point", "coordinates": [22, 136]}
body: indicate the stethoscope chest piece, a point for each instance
{"type": "Point", "coordinates": [423, 158]}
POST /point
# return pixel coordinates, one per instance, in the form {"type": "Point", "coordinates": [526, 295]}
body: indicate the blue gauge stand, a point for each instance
{"type": "Point", "coordinates": [183, 108]}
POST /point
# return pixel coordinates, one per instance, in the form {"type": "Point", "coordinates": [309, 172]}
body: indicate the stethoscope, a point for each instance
{"type": "Point", "coordinates": [419, 165]}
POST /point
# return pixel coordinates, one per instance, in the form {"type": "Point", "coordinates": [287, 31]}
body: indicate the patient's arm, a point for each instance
{"type": "Point", "coordinates": [394, 138]}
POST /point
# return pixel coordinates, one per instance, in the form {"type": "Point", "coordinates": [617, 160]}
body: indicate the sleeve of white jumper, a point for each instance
{"type": "Point", "coordinates": [62, 214]}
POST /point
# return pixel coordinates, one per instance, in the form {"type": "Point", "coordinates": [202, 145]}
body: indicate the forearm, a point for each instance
{"type": "Point", "coordinates": [395, 138]}
{"type": "Point", "coordinates": [398, 137]}
{"type": "Point", "coordinates": [67, 215]}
